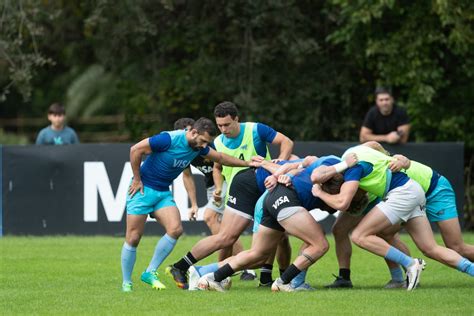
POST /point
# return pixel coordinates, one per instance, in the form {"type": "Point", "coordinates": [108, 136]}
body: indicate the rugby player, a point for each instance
{"type": "Point", "coordinates": [149, 192]}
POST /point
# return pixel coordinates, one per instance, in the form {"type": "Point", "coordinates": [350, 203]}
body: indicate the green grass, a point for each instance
{"type": "Point", "coordinates": [81, 275]}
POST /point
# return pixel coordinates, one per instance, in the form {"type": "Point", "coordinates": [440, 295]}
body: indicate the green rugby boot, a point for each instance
{"type": "Point", "coordinates": [127, 287]}
{"type": "Point", "coordinates": [153, 279]}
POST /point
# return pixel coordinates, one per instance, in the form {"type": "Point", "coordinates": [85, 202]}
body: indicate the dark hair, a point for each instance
{"type": "Point", "coordinates": [203, 125]}
{"type": "Point", "coordinates": [56, 108]}
{"type": "Point", "coordinates": [359, 203]}
{"type": "Point", "coordinates": [382, 90]}
{"type": "Point", "coordinates": [333, 185]}
{"type": "Point", "coordinates": [226, 108]}
{"type": "Point", "coordinates": [183, 122]}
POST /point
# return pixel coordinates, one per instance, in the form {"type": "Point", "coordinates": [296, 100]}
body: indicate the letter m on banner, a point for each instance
{"type": "Point", "coordinates": [97, 183]}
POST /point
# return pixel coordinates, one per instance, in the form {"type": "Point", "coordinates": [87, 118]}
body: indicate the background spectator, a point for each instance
{"type": "Point", "coordinates": [385, 122]}
{"type": "Point", "coordinates": [57, 133]}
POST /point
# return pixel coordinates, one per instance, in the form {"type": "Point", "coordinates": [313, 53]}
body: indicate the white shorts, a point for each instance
{"type": "Point", "coordinates": [211, 204]}
{"type": "Point", "coordinates": [404, 203]}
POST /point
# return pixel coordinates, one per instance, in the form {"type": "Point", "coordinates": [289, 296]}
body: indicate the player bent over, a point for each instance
{"type": "Point", "coordinates": [169, 154]}
{"type": "Point", "coordinates": [285, 208]}
{"type": "Point", "coordinates": [404, 201]}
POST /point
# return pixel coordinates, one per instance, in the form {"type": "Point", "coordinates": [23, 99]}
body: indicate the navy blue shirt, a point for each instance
{"type": "Point", "coordinates": [303, 185]}
{"type": "Point", "coordinates": [261, 174]}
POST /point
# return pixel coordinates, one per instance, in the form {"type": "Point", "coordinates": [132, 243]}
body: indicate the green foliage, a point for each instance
{"type": "Point", "coordinates": [307, 68]}
{"type": "Point", "coordinates": [12, 139]}
{"type": "Point", "coordinates": [424, 50]}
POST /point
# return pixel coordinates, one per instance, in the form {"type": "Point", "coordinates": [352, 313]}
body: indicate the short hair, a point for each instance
{"type": "Point", "coordinates": [203, 125]}
{"type": "Point", "coordinates": [382, 90]}
{"type": "Point", "coordinates": [226, 108]}
{"type": "Point", "coordinates": [56, 108]}
{"type": "Point", "coordinates": [333, 185]}
{"type": "Point", "coordinates": [358, 204]}
{"type": "Point", "coordinates": [183, 122]}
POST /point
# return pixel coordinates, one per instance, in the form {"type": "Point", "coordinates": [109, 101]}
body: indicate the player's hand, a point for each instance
{"type": "Point", "coordinates": [393, 138]}
{"type": "Point", "coordinates": [270, 182]}
{"type": "Point", "coordinates": [400, 162]}
{"type": "Point", "coordinates": [316, 190]}
{"type": "Point", "coordinates": [284, 179]}
{"type": "Point", "coordinates": [193, 211]}
{"type": "Point", "coordinates": [351, 160]}
{"type": "Point", "coordinates": [217, 196]}
{"type": "Point", "coordinates": [256, 161]}
{"type": "Point", "coordinates": [135, 186]}
{"type": "Point", "coordinates": [276, 160]}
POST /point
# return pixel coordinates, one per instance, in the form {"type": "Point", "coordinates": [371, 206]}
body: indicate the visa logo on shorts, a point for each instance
{"type": "Point", "coordinates": [280, 201]}
{"type": "Point", "coordinates": [232, 199]}
{"type": "Point", "coordinates": [180, 163]}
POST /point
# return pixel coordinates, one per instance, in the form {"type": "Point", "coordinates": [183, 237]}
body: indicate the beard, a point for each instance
{"type": "Point", "coordinates": [193, 144]}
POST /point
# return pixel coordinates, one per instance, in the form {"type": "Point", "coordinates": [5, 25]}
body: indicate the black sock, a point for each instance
{"type": "Point", "coordinates": [223, 272]}
{"type": "Point", "coordinates": [282, 271]}
{"type": "Point", "coordinates": [185, 262]}
{"type": "Point", "coordinates": [289, 274]}
{"type": "Point", "coordinates": [266, 273]}
{"type": "Point", "coordinates": [345, 274]}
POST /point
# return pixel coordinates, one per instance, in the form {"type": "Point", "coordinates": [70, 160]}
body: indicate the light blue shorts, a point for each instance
{"type": "Point", "coordinates": [441, 203]}
{"type": "Point", "coordinates": [148, 202]}
{"type": "Point", "coordinates": [258, 213]}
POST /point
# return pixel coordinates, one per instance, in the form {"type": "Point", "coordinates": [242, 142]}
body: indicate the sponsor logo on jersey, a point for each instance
{"type": "Point", "coordinates": [178, 163]}
{"type": "Point", "coordinates": [280, 201]}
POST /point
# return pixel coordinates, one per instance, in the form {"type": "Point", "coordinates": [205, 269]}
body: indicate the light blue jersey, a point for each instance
{"type": "Point", "coordinates": [49, 136]}
{"type": "Point", "coordinates": [171, 155]}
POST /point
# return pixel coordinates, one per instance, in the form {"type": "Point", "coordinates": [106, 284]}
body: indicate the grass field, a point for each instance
{"type": "Point", "coordinates": [81, 275]}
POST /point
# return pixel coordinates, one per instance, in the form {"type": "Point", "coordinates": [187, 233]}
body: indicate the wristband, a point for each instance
{"type": "Point", "coordinates": [340, 167]}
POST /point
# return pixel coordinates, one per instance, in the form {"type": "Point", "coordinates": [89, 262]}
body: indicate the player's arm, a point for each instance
{"type": "Point", "coordinates": [340, 201]}
{"type": "Point", "coordinates": [323, 173]}
{"type": "Point", "coordinates": [136, 153]}
{"type": "Point", "coordinates": [230, 161]}
{"type": "Point", "coordinates": [404, 132]}
{"type": "Point", "coordinates": [398, 163]}
{"type": "Point", "coordinates": [190, 187]}
{"type": "Point", "coordinates": [286, 146]}
{"type": "Point", "coordinates": [294, 165]}
{"type": "Point", "coordinates": [218, 181]}
{"type": "Point", "coordinates": [287, 178]}
{"type": "Point", "coordinates": [270, 166]}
